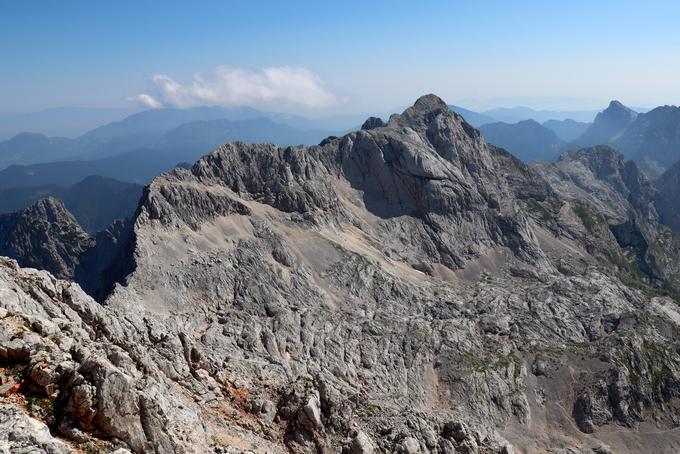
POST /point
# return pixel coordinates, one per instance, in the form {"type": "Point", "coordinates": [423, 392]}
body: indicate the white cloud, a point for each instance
{"type": "Point", "coordinates": [230, 86]}
{"type": "Point", "coordinates": [146, 101]}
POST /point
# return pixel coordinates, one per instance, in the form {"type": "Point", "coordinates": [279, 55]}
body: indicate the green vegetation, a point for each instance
{"type": "Point", "coordinates": [536, 207]}
{"type": "Point", "coordinates": [589, 219]}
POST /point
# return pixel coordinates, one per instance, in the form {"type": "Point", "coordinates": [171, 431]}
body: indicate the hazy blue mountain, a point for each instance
{"type": "Point", "coordinates": [209, 134]}
{"type": "Point", "coordinates": [59, 122]}
{"type": "Point", "coordinates": [156, 122]}
{"type": "Point", "coordinates": [476, 119]}
{"type": "Point", "coordinates": [567, 130]}
{"type": "Point", "coordinates": [653, 139]}
{"type": "Point", "coordinates": [95, 201]}
{"type": "Point", "coordinates": [137, 166]}
{"type": "Point", "coordinates": [30, 148]}
{"type": "Point", "coordinates": [154, 129]}
{"type": "Point", "coordinates": [528, 140]}
{"type": "Point", "coordinates": [608, 125]}
{"type": "Point", "coordinates": [515, 114]}
{"type": "Point", "coordinates": [668, 186]}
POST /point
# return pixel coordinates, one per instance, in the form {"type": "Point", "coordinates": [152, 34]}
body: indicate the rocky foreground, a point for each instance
{"type": "Point", "coordinates": [405, 288]}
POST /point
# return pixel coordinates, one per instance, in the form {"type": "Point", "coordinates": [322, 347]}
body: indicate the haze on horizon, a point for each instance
{"type": "Point", "coordinates": [344, 57]}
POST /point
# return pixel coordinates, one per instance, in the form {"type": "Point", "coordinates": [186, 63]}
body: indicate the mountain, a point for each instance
{"type": "Point", "coordinates": [567, 130]}
{"type": "Point", "coordinates": [186, 142]}
{"type": "Point", "coordinates": [150, 129]}
{"type": "Point", "coordinates": [653, 139]}
{"type": "Point", "coordinates": [608, 125]}
{"type": "Point", "coordinates": [59, 122]}
{"type": "Point", "coordinates": [528, 140]}
{"type": "Point", "coordinates": [44, 235]}
{"type": "Point", "coordinates": [138, 166]}
{"type": "Point", "coordinates": [156, 122]}
{"type": "Point", "coordinates": [617, 201]}
{"type": "Point", "coordinates": [516, 114]}
{"type": "Point", "coordinates": [95, 202]}
{"type": "Point", "coordinates": [209, 134]}
{"type": "Point", "coordinates": [668, 185]}
{"type": "Point", "coordinates": [403, 288]}
{"type": "Point", "coordinates": [476, 119]}
{"type": "Point", "coordinates": [30, 148]}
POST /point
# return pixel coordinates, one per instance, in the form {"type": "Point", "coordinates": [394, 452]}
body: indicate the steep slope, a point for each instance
{"type": "Point", "coordinates": [567, 130]}
{"type": "Point", "coordinates": [528, 140]}
{"type": "Point", "coordinates": [618, 202]}
{"type": "Point", "coordinates": [280, 256]}
{"type": "Point", "coordinates": [476, 119]}
{"type": "Point", "coordinates": [608, 125]}
{"type": "Point", "coordinates": [668, 186]}
{"type": "Point", "coordinates": [404, 288]}
{"type": "Point", "coordinates": [44, 236]}
{"type": "Point", "coordinates": [653, 140]}
{"type": "Point", "coordinates": [95, 202]}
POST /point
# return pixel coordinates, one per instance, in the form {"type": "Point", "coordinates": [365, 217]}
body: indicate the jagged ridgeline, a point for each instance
{"type": "Point", "coordinates": [403, 288]}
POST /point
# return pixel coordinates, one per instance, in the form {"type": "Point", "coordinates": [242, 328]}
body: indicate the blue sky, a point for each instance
{"type": "Point", "coordinates": [339, 56]}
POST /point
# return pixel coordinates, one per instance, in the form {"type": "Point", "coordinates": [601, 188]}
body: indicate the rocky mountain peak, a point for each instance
{"type": "Point", "coordinates": [45, 235]}
{"type": "Point", "coordinates": [617, 109]}
{"type": "Point", "coordinates": [608, 125]}
{"type": "Point", "coordinates": [430, 103]}
{"type": "Point", "coordinates": [372, 123]}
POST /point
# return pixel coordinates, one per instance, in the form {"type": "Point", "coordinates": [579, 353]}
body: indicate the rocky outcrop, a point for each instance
{"type": "Point", "coordinates": [406, 288]}
{"type": "Point", "coordinates": [626, 218]}
{"type": "Point", "coordinates": [44, 236]}
{"type": "Point", "coordinates": [372, 122]}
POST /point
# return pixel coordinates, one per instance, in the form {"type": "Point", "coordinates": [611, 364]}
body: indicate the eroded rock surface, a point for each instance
{"type": "Point", "coordinates": [405, 288]}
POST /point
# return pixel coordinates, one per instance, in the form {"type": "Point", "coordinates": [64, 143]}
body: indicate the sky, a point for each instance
{"type": "Point", "coordinates": [317, 58]}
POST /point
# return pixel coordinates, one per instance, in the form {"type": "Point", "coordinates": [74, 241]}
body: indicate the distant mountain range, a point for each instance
{"type": "Point", "coordinates": [60, 121]}
{"type": "Point", "coordinates": [148, 130]}
{"type": "Point", "coordinates": [652, 139]}
{"type": "Point", "coordinates": [95, 202]}
{"type": "Point", "coordinates": [527, 139]}
{"type": "Point", "coordinates": [567, 130]}
{"type": "Point", "coordinates": [476, 119]}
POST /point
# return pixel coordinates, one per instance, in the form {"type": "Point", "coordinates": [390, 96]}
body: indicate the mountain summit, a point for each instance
{"type": "Point", "coordinates": [608, 124]}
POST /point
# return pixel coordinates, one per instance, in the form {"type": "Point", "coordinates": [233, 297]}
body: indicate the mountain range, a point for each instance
{"type": "Point", "coordinates": [527, 139]}
{"type": "Point", "coordinates": [407, 287]}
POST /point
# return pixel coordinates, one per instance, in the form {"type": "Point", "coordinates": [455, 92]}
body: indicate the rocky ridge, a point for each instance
{"type": "Point", "coordinates": [405, 288]}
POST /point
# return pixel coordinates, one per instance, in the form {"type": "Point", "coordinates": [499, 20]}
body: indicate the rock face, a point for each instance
{"type": "Point", "coordinates": [608, 125]}
{"type": "Point", "coordinates": [668, 186]}
{"type": "Point", "coordinates": [405, 288]}
{"type": "Point", "coordinates": [372, 122]}
{"type": "Point", "coordinates": [44, 236]}
{"type": "Point", "coordinates": [622, 211]}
